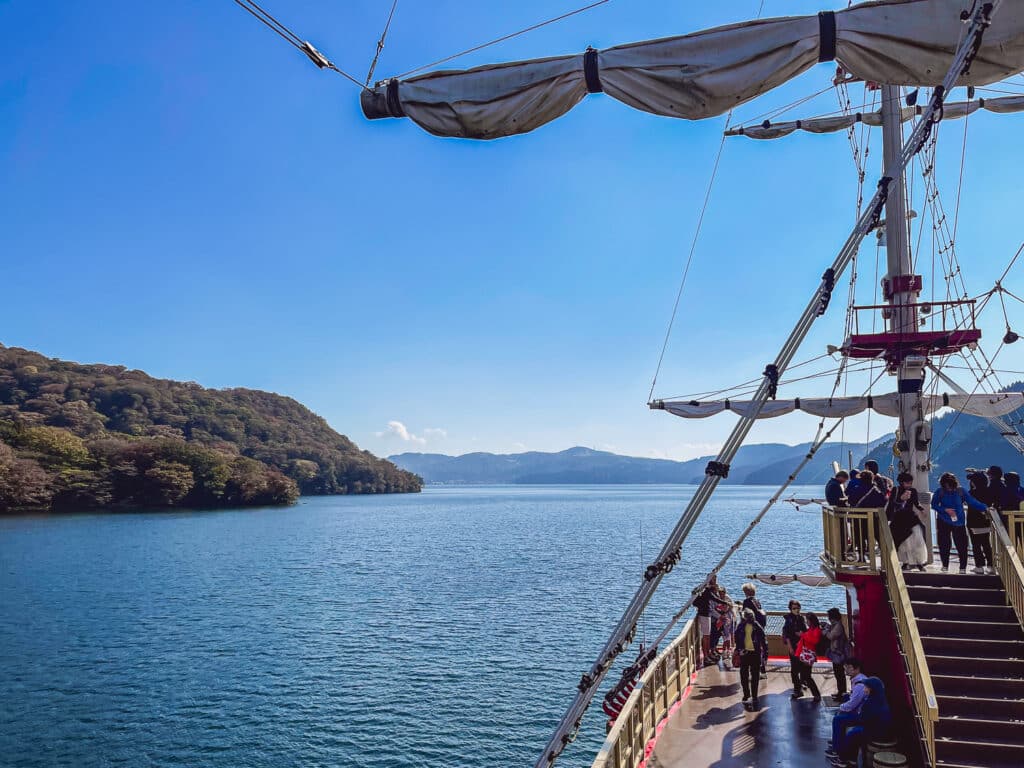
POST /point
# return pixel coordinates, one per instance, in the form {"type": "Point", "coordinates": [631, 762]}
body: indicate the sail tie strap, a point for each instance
{"type": "Point", "coordinates": [591, 73]}
{"type": "Point", "coordinates": [827, 36]}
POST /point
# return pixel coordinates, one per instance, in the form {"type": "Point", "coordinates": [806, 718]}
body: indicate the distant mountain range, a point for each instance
{"type": "Point", "coordinates": [766, 463]}
{"type": "Point", "coordinates": [958, 441]}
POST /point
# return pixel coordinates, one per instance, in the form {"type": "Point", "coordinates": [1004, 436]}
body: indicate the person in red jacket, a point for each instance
{"type": "Point", "coordinates": [806, 656]}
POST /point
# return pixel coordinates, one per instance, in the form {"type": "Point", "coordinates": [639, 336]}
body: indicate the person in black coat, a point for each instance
{"type": "Point", "coordinates": [978, 521]}
{"type": "Point", "coordinates": [908, 531]}
{"type": "Point", "coordinates": [792, 628]}
{"type": "Point", "coordinates": [835, 491]}
{"type": "Point", "coordinates": [873, 498]}
{"type": "Point", "coordinates": [752, 646]}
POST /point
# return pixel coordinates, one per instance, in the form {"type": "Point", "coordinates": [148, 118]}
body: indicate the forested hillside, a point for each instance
{"type": "Point", "coordinates": [82, 436]}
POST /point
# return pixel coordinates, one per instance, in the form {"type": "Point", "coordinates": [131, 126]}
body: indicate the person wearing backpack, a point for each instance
{"type": "Point", "coordinates": [950, 519]}
{"type": "Point", "coordinates": [807, 656]}
{"type": "Point", "coordinates": [838, 651]}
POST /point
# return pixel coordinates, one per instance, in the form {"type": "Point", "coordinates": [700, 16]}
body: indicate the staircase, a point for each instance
{"type": "Point", "coordinates": [974, 646]}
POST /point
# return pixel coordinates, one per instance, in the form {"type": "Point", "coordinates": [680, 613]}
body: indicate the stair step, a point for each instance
{"type": "Point", "coordinates": [989, 687]}
{"type": "Point", "coordinates": [980, 751]}
{"type": "Point", "coordinates": [972, 648]}
{"type": "Point", "coordinates": [991, 630]}
{"type": "Point", "coordinates": [961, 612]}
{"type": "Point", "coordinates": [980, 707]}
{"type": "Point", "coordinates": [967, 580]}
{"type": "Point", "coordinates": [958, 665]}
{"type": "Point", "coordinates": [973, 728]}
{"type": "Point", "coordinates": [956, 595]}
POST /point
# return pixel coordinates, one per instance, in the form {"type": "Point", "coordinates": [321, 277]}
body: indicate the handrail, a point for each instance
{"type": "Point", "coordinates": [920, 678]}
{"type": "Point", "coordinates": [661, 686]}
{"type": "Point", "coordinates": [1008, 563]}
{"type": "Point", "coordinates": [850, 539]}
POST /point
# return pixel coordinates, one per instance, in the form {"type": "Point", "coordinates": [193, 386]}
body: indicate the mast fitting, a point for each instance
{"type": "Point", "coordinates": [717, 469]}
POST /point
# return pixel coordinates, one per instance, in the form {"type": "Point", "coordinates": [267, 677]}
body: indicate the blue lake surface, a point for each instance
{"type": "Point", "coordinates": [441, 629]}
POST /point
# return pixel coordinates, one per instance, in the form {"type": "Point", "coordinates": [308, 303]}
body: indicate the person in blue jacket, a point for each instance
{"type": "Point", "coordinates": [874, 722]}
{"type": "Point", "coordinates": [950, 518]}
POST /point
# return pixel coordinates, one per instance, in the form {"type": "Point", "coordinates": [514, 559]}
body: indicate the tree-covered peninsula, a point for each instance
{"type": "Point", "coordinates": [78, 437]}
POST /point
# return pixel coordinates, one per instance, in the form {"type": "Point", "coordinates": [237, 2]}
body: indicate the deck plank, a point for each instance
{"type": "Point", "coordinates": [712, 729]}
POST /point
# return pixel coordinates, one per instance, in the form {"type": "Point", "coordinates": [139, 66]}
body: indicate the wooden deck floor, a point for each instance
{"type": "Point", "coordinates": [712, 729]}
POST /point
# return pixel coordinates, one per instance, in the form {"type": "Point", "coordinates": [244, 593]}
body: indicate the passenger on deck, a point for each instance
{"type": "Point", "coordinates": [1010, 496]}
{"type": "Point", "coordinates": [792, 628]}
{"type": "Point", "coordinates": [723, 618]}
{"type": "Point", "coordinates": [705, 596]}
{"type": "Point", "coordinates": [881, 482]}
{"type": "Point", "coordinates": [752, 603]}
{"type": "Point", "coordinates": [978, 522]}
{"type": "Point", "coordinates": [950, 520]}
{"type": "Point", "coordinates": [873, 723]}
{"type": "Point", "coordinates": [873, 498]}
{"type": "Point", "coordinates": [835, 490]}
{"type": "Point", "coordinates": [904, 513]}
{"type": "Point", "coordinates": [996, 483]}
{"type": "Point", "coordinates": [753, 647]}
{"type": "Point", "coordinates": [807, 655]}
{"type": "Point", "coordinates": [849, 710]}
{"type": "Point", "coordinates": [855, 488]}
{"type": "Point", "coordinates": [839, 651]}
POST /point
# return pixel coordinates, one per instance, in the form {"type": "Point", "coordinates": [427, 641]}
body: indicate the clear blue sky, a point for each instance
{"type": "Point", "coordinates": [182, 193]}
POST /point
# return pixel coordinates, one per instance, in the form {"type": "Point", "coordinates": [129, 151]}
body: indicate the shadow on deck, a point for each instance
{"type": "Point", "coordinates": [713, 730]}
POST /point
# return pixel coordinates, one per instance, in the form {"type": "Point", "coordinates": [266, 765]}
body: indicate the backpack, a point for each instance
{"type": "Point", "coordinates": [824, 644]}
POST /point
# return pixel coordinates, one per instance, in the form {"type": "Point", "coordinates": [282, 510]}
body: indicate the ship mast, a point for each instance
{"type": "Point", "coordinates": [901, 288]}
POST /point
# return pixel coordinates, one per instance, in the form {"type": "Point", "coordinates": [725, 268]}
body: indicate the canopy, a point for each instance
{"type": "Point", "coordinates": [983, 405]}
{"type": "Point", "coordinates": [768, 130]}
{"type": "Point", "coordinates": [700, 75]}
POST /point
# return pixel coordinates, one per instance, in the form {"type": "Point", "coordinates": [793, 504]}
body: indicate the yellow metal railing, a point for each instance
{"type": "Point", "coordinates": [906, 624]}
{"type": "Point", "coordinates": [660, 687]}
{"type": "Point", "coordinates": [850, 539]}
{"type": "Point", "coordinates": [1005, 549]}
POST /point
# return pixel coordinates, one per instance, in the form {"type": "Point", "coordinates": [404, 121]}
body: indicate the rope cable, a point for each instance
{"type": "Point", "coordinates": [501, 39]}
{"type": "Point", "coordinates": [318, 58]}
{"type": "Point", "coordinates": [380, 43]}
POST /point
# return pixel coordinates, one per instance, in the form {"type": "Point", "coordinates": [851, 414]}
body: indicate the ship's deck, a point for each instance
{"type": "Point", "coordinates": [711, 729]}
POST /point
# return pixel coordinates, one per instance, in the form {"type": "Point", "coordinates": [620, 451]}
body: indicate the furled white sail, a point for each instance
{"type": "Point", "coordinates": [984, 405]}
{"type": "Point", "coordinates": [951, 111]}
{"type": "Point", "coordinates": [781, 580]}
{"type": "Point", "coordinates": [901, 42]}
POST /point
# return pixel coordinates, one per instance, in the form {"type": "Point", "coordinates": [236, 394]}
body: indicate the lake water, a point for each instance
{"type": "Point", "coordinates": [442, 629]}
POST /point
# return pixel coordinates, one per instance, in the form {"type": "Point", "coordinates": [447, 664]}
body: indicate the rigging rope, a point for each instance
{"type": "Point", "coordinates": [294, 40]}
{"type": "Point", "coordinates": [380, 43]}
{"type": "Point", "coordinates": [689, 258]}
{"type": "Point", "coordinates": [501, 39]}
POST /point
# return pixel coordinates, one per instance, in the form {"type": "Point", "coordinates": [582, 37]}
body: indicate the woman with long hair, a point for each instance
{"type": "Point", "coordinates": [904, 514]}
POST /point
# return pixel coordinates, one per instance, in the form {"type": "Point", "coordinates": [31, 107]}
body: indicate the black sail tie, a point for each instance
{"type": "Point", "coordinates": [827, 36]}
{"type": "Point", "coordinates": [591, 73]}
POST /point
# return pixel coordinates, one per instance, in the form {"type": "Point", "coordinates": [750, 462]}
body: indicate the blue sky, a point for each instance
{"type": "Point", "coordinates": [182, 193]}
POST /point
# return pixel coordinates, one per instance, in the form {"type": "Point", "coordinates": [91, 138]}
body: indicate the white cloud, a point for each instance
{"type": "Point", "coordinates": [397, 429]}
